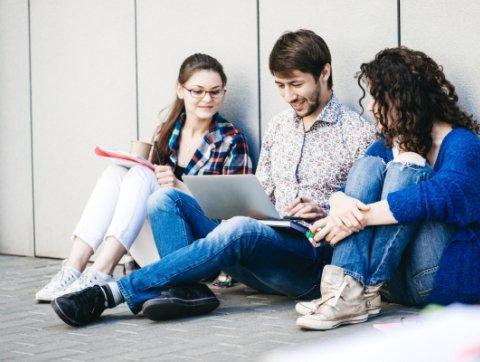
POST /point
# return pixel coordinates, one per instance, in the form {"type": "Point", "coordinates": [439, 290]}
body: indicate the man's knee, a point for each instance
{"type": "Point", "coordinates": [239, 230]}
{"type": "Point", "coordinates": [241, 224]}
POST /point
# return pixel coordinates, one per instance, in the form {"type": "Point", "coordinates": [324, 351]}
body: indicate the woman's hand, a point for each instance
{"type": "Point", "coordinates": [331, 229]}
{"type": "Point", "coordinates": [165, 176]}
{"type": "Point", "coordinates": [304, 208]}
{"type": "Point", "coordinates": [349, 210]}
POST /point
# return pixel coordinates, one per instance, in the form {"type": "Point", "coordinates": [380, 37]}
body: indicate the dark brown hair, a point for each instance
{"type": "Point", "coordinates": [411, 87]}
{"type": "Point", "coordinates": [189, 66]}
{"type": "Point", "coordinates": [301, 50]}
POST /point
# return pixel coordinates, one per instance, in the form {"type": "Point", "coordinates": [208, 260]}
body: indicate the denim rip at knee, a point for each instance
{"type": "Point", "coordinates": [366, 182]}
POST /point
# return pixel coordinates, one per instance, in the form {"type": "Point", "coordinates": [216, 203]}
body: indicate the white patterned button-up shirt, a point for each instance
{"type": "Point", "coordinates": [314, 163]}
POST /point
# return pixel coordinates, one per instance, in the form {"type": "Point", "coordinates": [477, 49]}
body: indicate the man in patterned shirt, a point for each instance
{"type": "Point", "coordinates": [306, 154]}
{"type": "Point", "coordinates": [308, 149]}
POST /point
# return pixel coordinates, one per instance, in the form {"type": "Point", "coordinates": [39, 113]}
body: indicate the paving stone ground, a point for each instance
{"type": "Point", "coordinates": [245, 327]}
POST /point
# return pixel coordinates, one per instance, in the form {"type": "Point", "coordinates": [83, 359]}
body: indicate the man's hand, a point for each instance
{"type": "Point", "coordinates": [304, 208]}
{"type": "Point", "coordinates": [165, 176]}
{"type": "Point", "coordinates": [349, 210]}
{"type": "Point", "coordinates": [330, 229]}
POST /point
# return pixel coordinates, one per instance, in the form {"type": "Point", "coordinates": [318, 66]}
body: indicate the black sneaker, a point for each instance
{"type": "Point", "coordinates": [80, 308]}
{"type": "Point", "coordinates": [179, 302]}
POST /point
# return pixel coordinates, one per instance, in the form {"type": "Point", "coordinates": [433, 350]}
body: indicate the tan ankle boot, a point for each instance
{"type": "Point", "coordinates": [372, 300]}
{"type": "Point", "coordinates": [342, 302]}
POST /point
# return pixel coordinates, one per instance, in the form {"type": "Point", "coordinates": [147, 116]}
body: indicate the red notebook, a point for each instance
{"type": "Point", "coordinates": [122, 158]}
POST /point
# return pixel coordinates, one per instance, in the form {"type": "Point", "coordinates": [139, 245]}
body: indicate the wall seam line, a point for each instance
{"type": "Point", "coordinates": [31, 129]}
{"type": "Point", "coordinates": [259, 79]}
{"type": "Point", "coordinates": [136, 71]}
{"type": "Point", "coordinates": [399, 25]}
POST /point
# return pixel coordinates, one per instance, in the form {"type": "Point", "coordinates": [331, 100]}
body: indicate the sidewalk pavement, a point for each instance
{"type": "Point", "coordinates": [246, 326]}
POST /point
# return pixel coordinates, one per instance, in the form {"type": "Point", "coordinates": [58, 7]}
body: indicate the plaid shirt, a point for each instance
{"type": "Point", "coordinates": [223, 150]}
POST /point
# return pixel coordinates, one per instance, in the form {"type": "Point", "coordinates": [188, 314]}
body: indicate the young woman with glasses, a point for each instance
{"type": "Point", "coordinates": [193, 139]}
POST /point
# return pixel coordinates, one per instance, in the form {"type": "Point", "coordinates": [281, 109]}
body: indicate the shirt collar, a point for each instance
{"type": "Point", "coordinates": [216, 132]}
{"type": "Point", "coordinates": [329, 113]}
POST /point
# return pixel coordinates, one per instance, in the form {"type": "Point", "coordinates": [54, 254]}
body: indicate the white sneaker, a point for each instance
{"type": "Point", "coordinates": [65, 277]}
{"type": "Point", "coordinates": [89, 278]}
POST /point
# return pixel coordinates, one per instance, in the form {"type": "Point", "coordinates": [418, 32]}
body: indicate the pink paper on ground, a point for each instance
{"type": "Point", "coordinates": [395, 325]}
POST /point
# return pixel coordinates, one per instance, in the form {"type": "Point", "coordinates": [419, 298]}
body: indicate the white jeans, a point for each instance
{"type": "Point", "coordinates": [117, 206]}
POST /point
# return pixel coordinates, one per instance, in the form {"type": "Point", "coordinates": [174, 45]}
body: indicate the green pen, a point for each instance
{"type": "Point", "coordinates": [309, 234]}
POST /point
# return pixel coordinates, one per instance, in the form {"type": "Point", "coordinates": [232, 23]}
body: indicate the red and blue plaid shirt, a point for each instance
{"type": "Point", "coordinates": [223, 150]}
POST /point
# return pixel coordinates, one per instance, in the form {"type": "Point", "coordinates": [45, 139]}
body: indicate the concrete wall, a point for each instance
{"type": "Point", "coordinates": [74, 74]}
{"type": "Point", "coordinates": [447, 31]}
{"type": "Point", "coordinates": [16, 209]}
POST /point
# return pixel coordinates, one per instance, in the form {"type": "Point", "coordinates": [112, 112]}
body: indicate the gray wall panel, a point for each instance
{"type": "Point", "coordinates": [168, 34]}
{"type": "Point", "coordinates": [448, 32]}
{"type": "Point", "coordinates": [84, 85]}
{"type": "Point", "coordinates": [352, 30]}
{"type": "Point", "coordinates": [83, 78]}
{"type": "Point", "coordinates": [16, 218]}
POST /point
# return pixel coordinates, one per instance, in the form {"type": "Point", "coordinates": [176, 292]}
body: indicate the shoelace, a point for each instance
{"type": "Point", "coordinates": [60, 277]}
{"type": "Point", "coordinates": [87, 279]}
{"type": "Point", "coordinates": [336, 297]}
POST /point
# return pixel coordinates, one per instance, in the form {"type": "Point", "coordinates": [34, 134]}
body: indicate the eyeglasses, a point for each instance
{"type": "Point", "coordinates": [200, 93]}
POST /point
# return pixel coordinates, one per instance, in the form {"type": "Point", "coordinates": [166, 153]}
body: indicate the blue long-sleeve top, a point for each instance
{"type": "Point", "coordinates": [451, 195]}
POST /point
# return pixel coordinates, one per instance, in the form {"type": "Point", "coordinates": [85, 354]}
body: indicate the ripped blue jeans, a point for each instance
{"type": "Point", "coordinates": [403, 257]}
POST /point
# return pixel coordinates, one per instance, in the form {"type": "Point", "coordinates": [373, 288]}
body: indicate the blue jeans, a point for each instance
{"type": "Point", "coordinates": [404, 255]}
{"type": "Point", "coordinates": [193, 247]}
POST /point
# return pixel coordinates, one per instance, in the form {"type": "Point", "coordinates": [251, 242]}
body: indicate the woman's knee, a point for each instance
{"type": "Point", "coordinates": [402, 174]}
{"type": "Point", "coordinates": [142, 174]}
{"type": "Point", "coordinates": [114, 171]}
{"type": "Point", "coordinates": [365, 176]}
{"type": "Point", "coordinates": [410, 158]}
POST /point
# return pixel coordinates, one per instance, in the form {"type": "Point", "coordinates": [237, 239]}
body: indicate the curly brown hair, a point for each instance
{"type": "Point", "coordinates": [411, 86]}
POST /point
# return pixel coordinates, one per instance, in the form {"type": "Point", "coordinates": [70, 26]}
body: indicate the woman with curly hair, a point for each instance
{"type": "Point", "coordinates": [409, 217]}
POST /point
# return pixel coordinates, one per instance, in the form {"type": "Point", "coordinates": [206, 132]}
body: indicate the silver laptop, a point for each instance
{"type": "Point", "coordinates": [225, 196]}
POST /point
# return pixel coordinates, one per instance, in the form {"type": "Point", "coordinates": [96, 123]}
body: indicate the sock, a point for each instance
{"type": "Point", "coordinates": [74, 271]}
{"type": "Point", "coordinates": [101, 275]}
{"type": "Point", "coordinates": [117, 295]}
{"type": "Point", "coordinates": [112, 295]}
